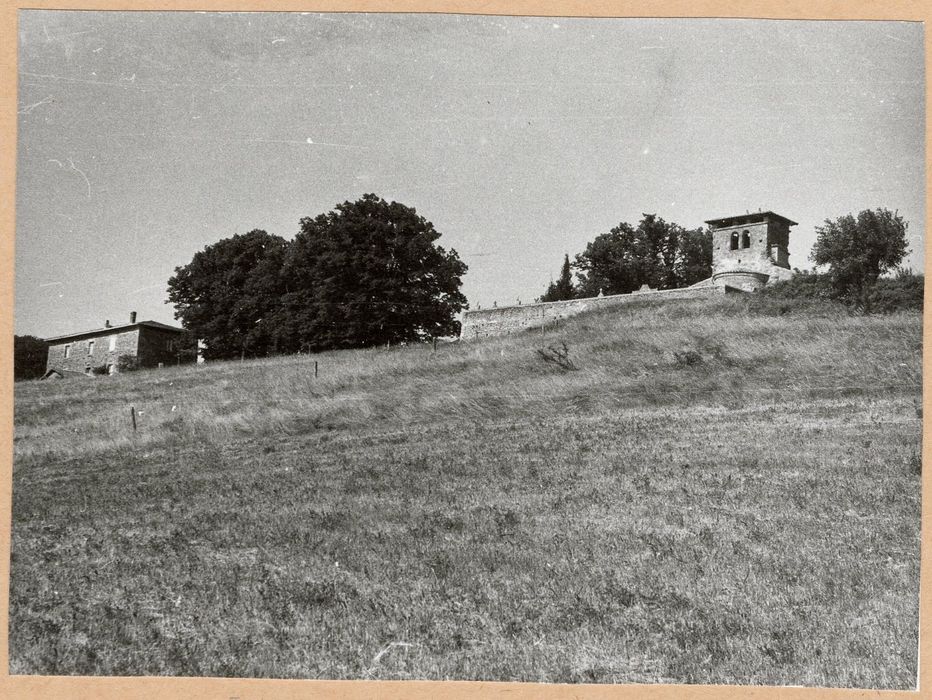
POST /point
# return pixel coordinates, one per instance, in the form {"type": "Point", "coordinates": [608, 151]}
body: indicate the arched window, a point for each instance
{"type": "Point", "coordinates": [734, 240]}
{"type": "Point", "coordinates": [745, 240]}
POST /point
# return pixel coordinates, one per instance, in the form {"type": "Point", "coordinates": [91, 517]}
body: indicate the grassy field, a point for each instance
{"type": "Point", "coordinates": [716, 494]}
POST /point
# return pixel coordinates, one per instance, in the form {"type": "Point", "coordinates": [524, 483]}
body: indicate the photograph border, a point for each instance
{"type": "Point", "coordinates": [107, 688]}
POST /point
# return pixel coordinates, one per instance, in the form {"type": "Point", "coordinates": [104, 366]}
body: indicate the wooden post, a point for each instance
{"type": "Point", "coordinates": [132, 415]}
{"type": "Point", "coordinates": [315, 369]}
{"type": "Point", "coordinates": [435, 343]}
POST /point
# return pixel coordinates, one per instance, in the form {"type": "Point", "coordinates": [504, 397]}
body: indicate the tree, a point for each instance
{"type": "Point", "coordinates": [368, 273]}
{"type": "Point", "coordinates": [608, 265]}
{"type": "Point", "coordinates": [694, 257]}
{"type": "Point", "coordinates": [229, 292]}
{"type": "Point", "coordinates": [563, 288]}
{"type": "Point", "coordinates": [859, 250]}
{"type": "Point", "coordinates": [659, 254]}
{"type": "Point", "coordinates": [29, 357]}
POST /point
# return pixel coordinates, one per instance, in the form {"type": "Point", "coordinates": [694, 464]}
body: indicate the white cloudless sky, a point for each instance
{"type": "Point", "coordinates": [144, 137]}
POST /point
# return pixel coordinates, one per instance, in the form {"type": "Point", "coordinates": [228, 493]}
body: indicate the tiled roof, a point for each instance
{"type": "Point", "coordinates": [114, 329]}
{"type": "Point", "coordinates": [64, 373]}
{"type": "Point", "coordinates": [750, 218]}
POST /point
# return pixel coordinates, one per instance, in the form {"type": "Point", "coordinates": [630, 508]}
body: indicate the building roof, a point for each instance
{"type": "Point", "coordinates": [63, 373]}
{"type": "Point", "coordinates": [114, 329]}
{"type": "Point", "coordinates": [753, 218]}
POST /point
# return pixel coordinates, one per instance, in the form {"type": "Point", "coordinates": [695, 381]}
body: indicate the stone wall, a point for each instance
{"type": "Point", "coordinates": [484, 323]}
{"type": "Point", "coordinates": [82, 357]}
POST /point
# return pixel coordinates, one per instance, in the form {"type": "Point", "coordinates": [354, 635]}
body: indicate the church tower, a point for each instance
{"type": "Point", "coordinates": [750, 250]}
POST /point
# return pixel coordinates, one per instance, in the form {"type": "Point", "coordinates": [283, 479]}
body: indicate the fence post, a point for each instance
{"type": "Point", "coordinates": [315, 369]}
{"type": "Point", "coordinates": [132, 416]}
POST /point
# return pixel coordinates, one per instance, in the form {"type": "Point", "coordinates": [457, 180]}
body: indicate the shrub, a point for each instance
{"type": "Point", "coordinates": [900, 293]}
{"type": "Point", "coordinates": [807, 290]}
{"type": "Point", "coordinates": [687, 358]}
{"type": "Point", "coordinates": [809, 286]}
{"type": "Point", "coordinates": [127, 363]}
{"type": "Point", "coordinates": [558, 355]}
{"type": "Point", "coordinates": [99, 370]}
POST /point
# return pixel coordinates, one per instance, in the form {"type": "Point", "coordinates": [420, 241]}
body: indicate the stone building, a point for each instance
{"type": "Point", "coordinates": [750, 250]}
{"type": "Point", "coordinates": [150, 343]}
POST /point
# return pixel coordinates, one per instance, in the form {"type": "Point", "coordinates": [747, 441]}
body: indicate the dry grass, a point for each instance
{"type": "Point", "coordinates": [717, 494]}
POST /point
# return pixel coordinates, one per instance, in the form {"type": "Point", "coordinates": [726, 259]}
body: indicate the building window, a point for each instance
{"type": "Point", "coordinates": [734, 240]}
{"type": "Point", "coordinates": [112, 343]}
{"type": "Point", "coordinates": [67, 351]}
{"type": "Point", "coordinates": [90, 347]}
{"type": "Point", "coordinates": [745, 240]}
{"type": "Point", "coordinates": [170, 345]}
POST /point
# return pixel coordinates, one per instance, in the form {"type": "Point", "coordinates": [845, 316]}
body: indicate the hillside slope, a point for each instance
{"type": "Point", "coordinates": [716, 493]}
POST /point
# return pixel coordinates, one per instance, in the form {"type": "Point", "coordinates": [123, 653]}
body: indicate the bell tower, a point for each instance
{"type": "Point", "coordinates": [750, 250]}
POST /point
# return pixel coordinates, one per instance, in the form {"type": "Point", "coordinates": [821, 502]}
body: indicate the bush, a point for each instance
{"type": "Point", "coordinates": [558, 355]}
{"type": "Point", "coordinates": [127, 363]}
{"type": "Point", "coordinates": [808, 290]}
{"type": "Point", "coordinates": [809, 286]}
{"type": "Point", "coordinates": [900, 293]}
{"type": "Point", "coordinates": [687, 358]}
{"type": "Point", "coordinates": [805, 292]}
{"type": "Point", "coordinates": [100, 370]}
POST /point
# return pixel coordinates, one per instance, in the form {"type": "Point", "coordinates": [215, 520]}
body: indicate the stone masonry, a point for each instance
{"type": "Point", "coordinates": [150, 342]}
{"type": "Point", "coordinates": [750, 250]}
{"type": "Point", "coordinates": [484, 323]}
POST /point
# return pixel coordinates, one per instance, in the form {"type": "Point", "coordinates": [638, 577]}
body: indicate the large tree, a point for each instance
{"type": "Point", "coordinates": [657, 253]}
{"type": "Point", "coordinates": [229, 293]}
{"type": "Point", "coordinates": [369, 272]}
{"type": "Point", "coordinates": [694, 257]}
{"type": "Point", "coordinates": [29, 357]}
{"type": "Point", "coordinates": [609, 263]}
{"type": "Point", "coordinates": [563, 288]}
{"type": "Point", "coordinates": [859, 250]}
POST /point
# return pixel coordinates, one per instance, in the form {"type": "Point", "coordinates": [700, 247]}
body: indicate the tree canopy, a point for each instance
{"type": "Point", "coordinates": [29, 357]}
{"type": "Point", "coordinates": [369, 272]}
{"type": "Point", "coordinates": [659, 254]}
{"type": "Point", "coordinates": [228, 294]}
{"type": "Point", "coordinates": [859, 250]}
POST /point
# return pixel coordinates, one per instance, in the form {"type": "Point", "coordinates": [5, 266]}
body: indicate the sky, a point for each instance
{"type": "Point", "coordinates": [144, 137]}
